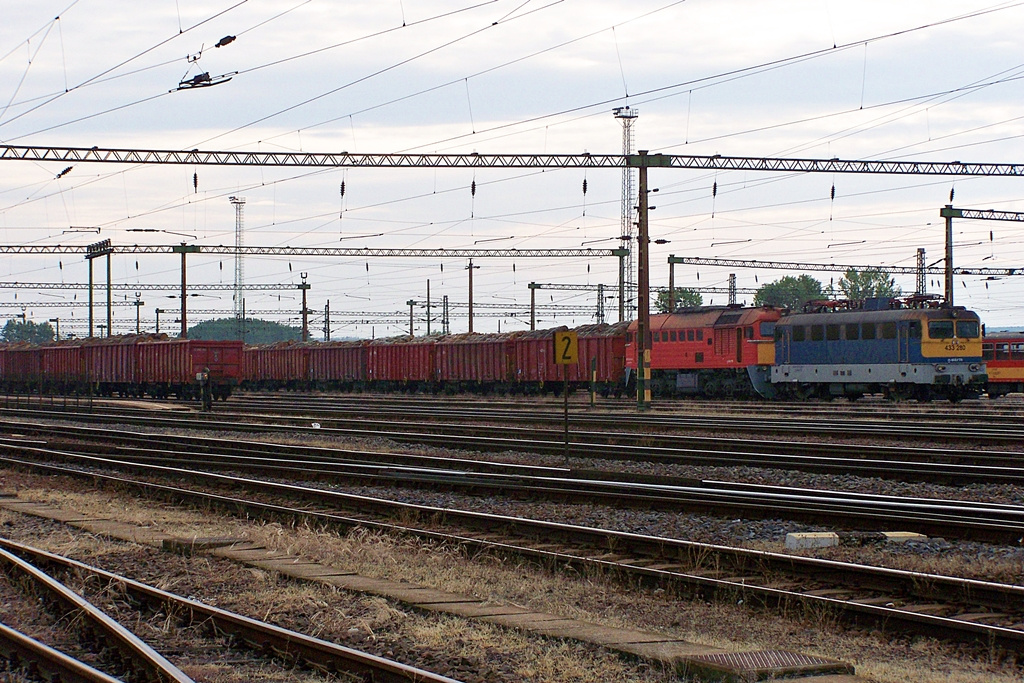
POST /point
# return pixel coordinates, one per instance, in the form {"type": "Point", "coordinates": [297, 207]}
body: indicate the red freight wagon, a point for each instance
{"type": "Point", "coordinates": [61, 365]}
{"type": "Point", "coordinates": [605, 344]}
{"type": "Point", "coordinates": [170, 366]}
{"type": "Point", "coordinates": [338, 365]}
{"type": "Point", "coordinates": [476, 361]}
{"type": "Point", "coordinates": [277, 366]}
{"type": "Point", "coordinates": [535, 362]}
{"type": "Point", "coordinates": [24, 366]}
{"type": "Point", "coordinates": [111, 365]}
{"type": "Point", "coordinates": [401, 361]}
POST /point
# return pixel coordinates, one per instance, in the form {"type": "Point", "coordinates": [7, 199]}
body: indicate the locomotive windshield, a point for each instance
{"type": "Point", "coordinates": [944, 329]}
{"type": "Point", "coordinates": [940, 329]}
{"type": "Point", "coordinates": [968, 329]}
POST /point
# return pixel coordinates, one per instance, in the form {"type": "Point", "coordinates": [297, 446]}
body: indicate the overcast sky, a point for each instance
{"type": "Point", "coordinates": [937, 80]}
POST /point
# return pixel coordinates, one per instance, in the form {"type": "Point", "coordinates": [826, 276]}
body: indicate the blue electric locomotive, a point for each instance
{"type": "Point", "coordinates": [880, 346]}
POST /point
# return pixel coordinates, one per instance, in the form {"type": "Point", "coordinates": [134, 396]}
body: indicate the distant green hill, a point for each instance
{"type": "Point", "coordinates": [256, 331]}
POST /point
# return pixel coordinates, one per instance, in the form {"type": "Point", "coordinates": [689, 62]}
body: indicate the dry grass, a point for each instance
{"type": "Point", "coordinates": [591, 597]}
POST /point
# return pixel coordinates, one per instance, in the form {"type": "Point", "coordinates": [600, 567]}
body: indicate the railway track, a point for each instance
{"type": "Point", "coordinates": [145, 664]}
{"type": "Point", "coordinates": [952, 519]}
{"type": "Point", "coordinates": [989, 429]}
{"type": "Point", "coordinates": [1007, 410]}
{"type": "Point", "coordinates": [138, 660]}
{"type": "Point", "coordinates": [944, 427]}
{"type": "Point", "coordinates": [986, 613]}
{"type": "Point", "coordinates": [956, 466]}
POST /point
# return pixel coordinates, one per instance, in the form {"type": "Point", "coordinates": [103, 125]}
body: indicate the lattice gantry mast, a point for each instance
{"type": "Point", "coordinates": [239, 204]}
{"type": "Point", "coordinates": [627, 275]}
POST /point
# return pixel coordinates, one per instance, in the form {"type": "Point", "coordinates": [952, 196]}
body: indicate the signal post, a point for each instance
{"type": "Point", "coordinates": [566, 353]}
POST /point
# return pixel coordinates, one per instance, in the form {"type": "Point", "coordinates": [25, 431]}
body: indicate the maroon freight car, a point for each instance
{"type": "Point", "coordinates": [111, 365]}
{"type": "Point", "coordinates": [476, 362]}
{"type": "Point", "coordinates": [338, 365]}
{"type": "Point", "coordinates": [601, 345]}
{"type": "Point", "coordinates": [171, 366]}
{"type": "Point", "coordinates": [401, 363]}
{"type": "Point", "coordinates": [284, 365]}
{"type": "Point", "coordinates": [23, 367]}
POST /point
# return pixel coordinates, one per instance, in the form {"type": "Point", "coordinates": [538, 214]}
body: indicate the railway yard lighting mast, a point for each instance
{"type": "Point", "coordinates": [239, 204]}
{"type": "Point", "coordinates": [94, 251]}
{"type": "Point", "coordinates": [627, 268]}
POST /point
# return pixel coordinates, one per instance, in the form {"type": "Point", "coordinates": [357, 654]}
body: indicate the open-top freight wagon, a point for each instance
{"type": "Point", "coordinates": [135, 365]}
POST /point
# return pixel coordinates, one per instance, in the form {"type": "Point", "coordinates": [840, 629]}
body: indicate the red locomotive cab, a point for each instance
{"type": "Point", "coordinates": [707, 350]}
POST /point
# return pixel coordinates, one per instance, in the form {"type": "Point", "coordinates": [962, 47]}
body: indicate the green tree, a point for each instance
{"type": "Point", "coordinates": [27, 331]}
{"type": "Point", "coordinates": [868, 283]}
{"type": "Point", "coordinates": [789, 292]}
{"type": "Point", "coordinates": [684, 298]}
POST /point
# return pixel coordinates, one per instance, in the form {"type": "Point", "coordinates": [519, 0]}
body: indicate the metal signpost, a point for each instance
{"type": "Point", "coordinates": [567, 351]}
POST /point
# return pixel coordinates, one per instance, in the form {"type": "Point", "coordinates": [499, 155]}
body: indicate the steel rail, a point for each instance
{"type": "Point", "coordinates": [951, 519]}
{"type": "Point", "coordinates": [656, 560]}
{"type": "Point", "coordinates": [143, 657]}
{"type": "Point", "coordinates": [865, 408]}
{"type": "Point", "coordinates": [321, 654]}
{"type": "Point", "coordinates": [938, 429]}
{"type": "Point", "coordinates": [21, 651]}
{"type": "Point", "coordinates": [623, 489]}
{"type": "Point", "coordinates": [899, 463]}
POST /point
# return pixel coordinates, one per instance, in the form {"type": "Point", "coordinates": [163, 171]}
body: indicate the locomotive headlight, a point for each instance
{"type": "Point", "coordinates": [940, 368]}
{"type": "Point", "coordinates": [974, 367]}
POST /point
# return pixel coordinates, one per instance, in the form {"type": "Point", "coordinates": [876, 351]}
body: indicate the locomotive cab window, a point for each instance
{"type": "Point", "coordinates": [851, 331]}
{"type": "Point", "coordinates": [748, 332]}
{"type": "Point", "coordinates": [914, 328]}
{"type": "Point", "coordinates": [940, 329]}
{"type": "Point", "coordinates": [832, 332]}
{"type": "Point", "coordinates": [799, 333]}
{"type": "Point", "coordinates": [968, 329]}
{"type": "Point", "coordinates": [767, 330]}
{"type": "Point", "coordinates": [888, 330]}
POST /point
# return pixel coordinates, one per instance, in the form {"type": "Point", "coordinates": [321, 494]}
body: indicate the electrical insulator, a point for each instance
{"type": "Point", "coordinates": [951, 190]}
{"type": "Point", "coordinates": [472, 188]}
{"type": "Point", "coordinates": [714, 189]}
{"type": "Point", "coordinates": [833, 192]}
{"type": "Point", "coordinates": [584, 186]}
{"type": "Point", "coordinates": [342, 188]}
